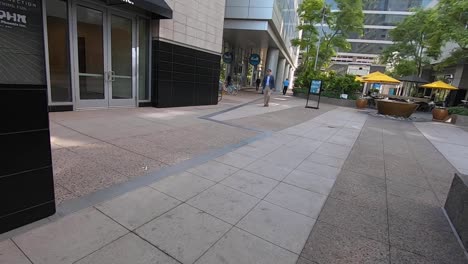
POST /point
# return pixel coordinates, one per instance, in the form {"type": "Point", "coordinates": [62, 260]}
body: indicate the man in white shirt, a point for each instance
{"type": "Point", "coordinates": [268, 85]}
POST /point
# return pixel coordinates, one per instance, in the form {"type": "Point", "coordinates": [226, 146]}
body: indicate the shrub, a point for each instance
{"type": "Point", "coordinates": [334, 85]}
{"type": "Point", "coordinates": [458, 110]}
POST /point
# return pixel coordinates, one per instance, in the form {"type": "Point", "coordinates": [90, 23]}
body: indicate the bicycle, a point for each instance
{"type": "Point", "coordinates": [220, 91]}
{"type": "Point", "coordinates": [232, 89]}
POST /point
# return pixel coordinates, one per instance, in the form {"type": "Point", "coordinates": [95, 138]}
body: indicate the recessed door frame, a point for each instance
{"type": "Point", "coordinates": [107, 102]}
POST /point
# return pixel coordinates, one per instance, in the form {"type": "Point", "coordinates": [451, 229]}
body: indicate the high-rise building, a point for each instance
{"type": "Point", "coordinates": [381, 16]}
{"type": "Point", "coordinates": [264, 28]}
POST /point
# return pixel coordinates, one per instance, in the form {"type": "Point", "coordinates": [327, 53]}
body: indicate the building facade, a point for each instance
{"type": "Point", "coordinates": [380, 16]}
{"type": "Point", "coordinates": [260, 29]}
{"type": "Point", "coordinates": [122, 53]}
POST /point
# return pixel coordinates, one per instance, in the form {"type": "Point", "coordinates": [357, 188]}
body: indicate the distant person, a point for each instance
{"type": "Point", "coordinates": [267, 86]}
{"type": "Point", "coordinates": [257, 84]}
{"type": "Point", "coordinates": [229, 80]}
{"type": "Point", "coordinates": [285, 86]}
{"type": "Point", "coordinates": [433, 97]}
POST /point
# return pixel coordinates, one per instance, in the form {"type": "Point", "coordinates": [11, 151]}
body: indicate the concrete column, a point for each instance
{"type": "Point", "coordinates": [280, 74]}
{"type": "Point", "coordinates": [272, 61]}
{"type": "Point", "coordinates": [245, 69]}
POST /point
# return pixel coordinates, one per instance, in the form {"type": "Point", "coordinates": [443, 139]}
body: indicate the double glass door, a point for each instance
{"type": "Point", "coordinates": [105, 59]}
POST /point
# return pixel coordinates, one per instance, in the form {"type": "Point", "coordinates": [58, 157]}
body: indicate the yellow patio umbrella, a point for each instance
{"type": "Point", "coordinates": [378, 77]}
{"type": "Point", "coordinates": [359, 79]}
{"type": "Point", "coordinates": [439, 85]}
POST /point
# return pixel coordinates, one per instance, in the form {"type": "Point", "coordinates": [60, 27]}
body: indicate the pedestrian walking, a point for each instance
{"type": "Point", "coordinates": [257, 84]}
{"type": "Point", "coordinates": [285, 86]}
{"type": "Point", "coordinates": [268, 85]}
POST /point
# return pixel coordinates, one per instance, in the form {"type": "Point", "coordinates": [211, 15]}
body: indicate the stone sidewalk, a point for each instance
{"type": "Point", "coordinates": [385, 206]}
{"type": "Point", "coordinates": [342, 187]}
{"type": "Point", "coordinates": [256, 204]}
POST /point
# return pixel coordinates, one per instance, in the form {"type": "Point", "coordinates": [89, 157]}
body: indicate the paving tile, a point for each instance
{"type": "Point", "coordinates": [240, 247]}
{"type": "Point", "coordinates": [417, 180]}
{"type": "Point", "coordinates": [365, 221]}
{"type": "Point", "coordinates": [224, 202]}
{"type": "Point", "coordinates": [412, 192]}
{"type": "Point", "coordinates": [135, 208]}
{"type": "Point", "coordinates": [213, 170]}
{"type": "Point", "coordinates": [305, 144]}
{"type": "Point", "coordinates": [269, 169]}
{"type": "Point", "coordinates": [278, 226]}
{"type": "Point", "coordinates": [365, 148]}
{"type": "Point", "coordinates": [70, 238]}
{"type": "Point", "coordinates": [334, 150]}
{"type": "Point", "coordinates": [297, 199]}
{"type": "Point", "coordinates": [310, 182]}
{"type": "Point", "coordinates": [372, 166]}
{"type": "Point", "coordinates": [326, 160]}
{"type": "Point", "coordinates": [371, 196]}
{"type": "Point", "coordinates": [236, 160]}
{"type": "Point", "coordinates": [430, 216]}
{"type": "Point", "coordinates": [252, 151]}
{"type": "Point", "coordinates": [82, 176]}
{"type": "Point", "coordinates": [399, 256]}
{"type": "Point", "coordinates": [250, 183]}
{"type": "Point", "coordinates": [319, 169]}
{"type": "Point", "coordinates": [304, 261]}
{"type": "Point", "coordinates": [350, 177]}
{"type": "Point", "coordinates": [184, 232]}
{"type": "Point", "coordinates": [288, 157]}
{"type": "Point", "coordinates": [428, 242]}
{"type": "Point", "coordinates": [10, 253]}
{"type": "Point", "coordinates": [62, 194]}
{"type": "Point", "coordinates": [182, 186]}
{"type": "Point", "coordinates": [322, 133]}
{"type": "Point", "coordinates": [329, 244]}
{"type": "Point", "coordinates": [128, 249]}
{"type": "Point", "coordinates": [120, 160]}
{"type": "Point", "coordinates": [341, 140]}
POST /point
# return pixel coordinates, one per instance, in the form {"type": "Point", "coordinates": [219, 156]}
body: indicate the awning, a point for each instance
{"type": "Point", "coordinates": [158, 8]}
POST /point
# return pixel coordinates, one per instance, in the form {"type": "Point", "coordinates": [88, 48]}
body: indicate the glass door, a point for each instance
{"type": "Point", "coordinates": [106, 58]}
{"type": "Point", "coordinates": [121, 60]}
{"type": "Point", "coordinates": [91, 57]}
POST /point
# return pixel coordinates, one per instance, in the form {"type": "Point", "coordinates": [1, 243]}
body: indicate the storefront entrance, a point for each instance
{"type": "Point", "coordinates": [98, 56]}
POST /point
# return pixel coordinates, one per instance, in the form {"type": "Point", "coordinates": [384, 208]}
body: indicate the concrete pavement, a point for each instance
{"type": "Point", "coordinates": [337, 187]}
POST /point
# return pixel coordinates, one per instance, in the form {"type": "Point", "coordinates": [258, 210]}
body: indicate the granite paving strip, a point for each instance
{"type": "Point", "coordinates": [240, 216]}
{"type": "Point", "coordinates": [451, 141]}
{"type": "Point", "coordinates": [385, 206]}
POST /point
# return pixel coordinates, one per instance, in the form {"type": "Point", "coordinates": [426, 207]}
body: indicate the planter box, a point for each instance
{"type": "Point", "coordinates": [456, 206]}
{"type": "Point", "coordinates": [460, 120]}
{"type": "Point", "coordinates": [327, 100]}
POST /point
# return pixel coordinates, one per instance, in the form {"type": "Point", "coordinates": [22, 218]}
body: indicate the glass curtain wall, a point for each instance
{"type": "Point", "coordinates": [59, 55]}
{"type": "Point", "coordinates": [144, 59]}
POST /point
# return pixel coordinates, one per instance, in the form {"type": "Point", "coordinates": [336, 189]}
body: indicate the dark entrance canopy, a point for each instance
{"type": "Point", "coordinates": [413, 79]}
{"type": "Point", "coordinates": [158, 8]}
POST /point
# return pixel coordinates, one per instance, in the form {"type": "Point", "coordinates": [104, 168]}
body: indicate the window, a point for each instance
{"type": "Point", "coordinates": [59, 55]}
{"type": "Point", "coordinates": [144, 56]}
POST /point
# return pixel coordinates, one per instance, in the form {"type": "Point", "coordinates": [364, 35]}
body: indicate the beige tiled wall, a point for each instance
{"type": "Point", "coordinates": [197, 23]}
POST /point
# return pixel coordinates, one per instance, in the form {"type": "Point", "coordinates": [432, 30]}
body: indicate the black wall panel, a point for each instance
{"type": "Point", "coordinates": [26, 178]}
{"type": "Point", "coordinates": [184, 76]}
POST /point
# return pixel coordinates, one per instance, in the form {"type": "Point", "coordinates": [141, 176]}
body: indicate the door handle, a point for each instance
{"type": "Point", "coordinates": [111, 76]}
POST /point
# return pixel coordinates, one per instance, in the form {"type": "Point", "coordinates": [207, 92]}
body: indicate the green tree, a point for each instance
{"type": "Point", "coordinates": [337, 27]}
{"type": "Point", "coordinates": [420, 38]}
{"type": "Point", "coordinates": [414, 43]}
{"type": "Point", "coordinates": [452, 16]}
